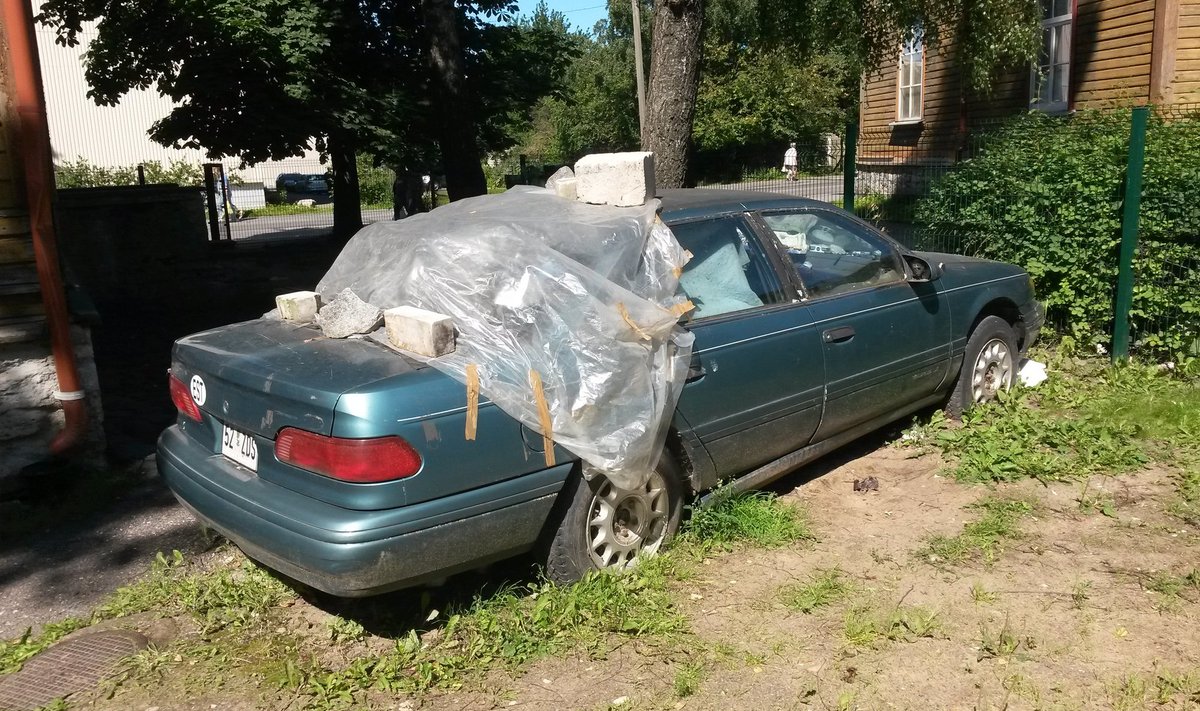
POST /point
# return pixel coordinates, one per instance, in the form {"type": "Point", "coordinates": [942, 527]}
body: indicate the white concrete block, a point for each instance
{"type": "Point", "coordinates": [567, 188]}
{"type": "Point", "coordinates": [620, 179]}
{"type": "Point", "coordinates": [423, 332]}
{"type": "Point", "coordinates": [299, 306]}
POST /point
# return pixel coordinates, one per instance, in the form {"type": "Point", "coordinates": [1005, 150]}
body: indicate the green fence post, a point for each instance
{"type": "Point", "coordinates": [1129, 232]}
{"type": "Point", "coordinates": [849, 165]}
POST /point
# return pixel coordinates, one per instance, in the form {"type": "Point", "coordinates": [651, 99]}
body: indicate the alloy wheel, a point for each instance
{"type": "Point", "coordinates": [993, 371]}
{"type": "Point", "coordinates": [624, 523]}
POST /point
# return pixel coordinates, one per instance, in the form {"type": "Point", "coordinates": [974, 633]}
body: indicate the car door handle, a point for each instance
{"type": "Point", "coordinates": [695, 370]}
{"type": "Point", "coordinates": [838, 335]}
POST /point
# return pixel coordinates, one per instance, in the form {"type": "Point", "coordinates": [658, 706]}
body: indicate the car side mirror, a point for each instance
{"type": "Point", "coordinates": [920, 271]}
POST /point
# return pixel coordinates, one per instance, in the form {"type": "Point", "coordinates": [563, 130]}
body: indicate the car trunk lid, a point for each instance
{"type": "Point", "coordinates": [261, 376]}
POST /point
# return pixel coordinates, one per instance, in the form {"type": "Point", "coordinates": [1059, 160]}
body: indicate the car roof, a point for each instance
{"type": "Point", "coordinates": [687, 203]}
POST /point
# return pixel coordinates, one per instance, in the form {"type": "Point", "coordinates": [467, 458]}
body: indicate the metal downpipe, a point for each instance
{"type": "Point", "coordinates": [33, 142]}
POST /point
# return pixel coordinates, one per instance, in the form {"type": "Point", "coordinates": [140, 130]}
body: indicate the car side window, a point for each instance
{"type": "Point", "coordinates": [728, 270]}
{"type": "Point", "coordinates": [832, 255]}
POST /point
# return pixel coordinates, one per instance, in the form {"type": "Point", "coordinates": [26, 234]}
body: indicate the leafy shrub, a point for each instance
{"type": "Point", "coordinates": [1045, 193]}
{"type": "Point", "coordinates": [374, 183]}
{"type": "Point", "coordinates": [82, 173]}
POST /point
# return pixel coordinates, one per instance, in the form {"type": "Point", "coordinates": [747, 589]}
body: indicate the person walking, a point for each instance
{"type": "Point", "coordinates": [789, 161]}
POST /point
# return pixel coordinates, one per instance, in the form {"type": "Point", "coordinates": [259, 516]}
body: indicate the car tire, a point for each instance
{"type": "Point", "coordinates": [601, 526]}
{"type": "Point", "coordinates": [989, 365]}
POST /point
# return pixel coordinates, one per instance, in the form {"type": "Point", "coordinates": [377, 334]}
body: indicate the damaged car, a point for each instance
{"type": "Point", "coordinates": [792, 329]}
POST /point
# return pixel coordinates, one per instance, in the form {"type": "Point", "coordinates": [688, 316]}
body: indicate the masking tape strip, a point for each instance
{"type": "Point", "coordinates": [631, 323]}
{"type": "Point", "coordinates": [535, 381]}
{"type": "Point", "coordinates": [472, 400]}
{"type": "Point", "coordinates": [71, 395]}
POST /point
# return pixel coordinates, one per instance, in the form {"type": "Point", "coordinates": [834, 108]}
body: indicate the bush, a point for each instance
{"type": "Point", "coordinates": [1045, 193]}
{"type": "Point", "coordinates": [81, 173]}
{"type": "Point", "coordinates": [374, 183]}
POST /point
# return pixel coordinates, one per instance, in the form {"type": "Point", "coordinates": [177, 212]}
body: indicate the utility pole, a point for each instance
{"type": "Point", "coordinates": [637, 65]}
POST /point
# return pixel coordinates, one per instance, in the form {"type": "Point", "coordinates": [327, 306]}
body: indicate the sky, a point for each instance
{"type": "Point", "coordinates": [582, 14]}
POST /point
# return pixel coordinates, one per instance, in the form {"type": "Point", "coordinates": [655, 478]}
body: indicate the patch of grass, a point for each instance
{"type": "Point", "coordinates": [511, 628]}
{"type": "Point", "coordinates": [756, 518]}
{"type": "Point", "coordinates": [1010, 440]}
{"type": "Point", "coordinates": [1079, 593]}
{"type": "Point", "coordinates": [1175, 588]}
{"type": "Point", "coordinates": [825, 588]}
{"type": "Point", "coordinates": [981, 595]}
{"type": "Point", "coordinates": [272, 210]}
{"type": "Point", "coordinates": [982, 538]}
{"type": "Point", "coordinates": [344, 630]}
{"type": "Point", "coordinates": [688, 678]}
{"type": "Point", "coordinates": [1168, 685]}
{"type": "Point", "coordinates": [1186, 505]}
{"type": "Point", "coordinates": [997, 643]}
{"type": "Point", "coordinates": [1127, 693]}
{"type": "Point", "coordinates": [14, 653]}
{"type": "Point", "coordinates": [864, 627]}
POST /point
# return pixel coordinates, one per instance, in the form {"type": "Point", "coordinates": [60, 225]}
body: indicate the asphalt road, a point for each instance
{"type": "Point", "coordinates": [822, 187]}
{"type": "Point", "coordinates": [314, 224]}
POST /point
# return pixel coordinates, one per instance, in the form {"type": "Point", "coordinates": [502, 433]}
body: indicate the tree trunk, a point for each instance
{"type": "Point", "coordinates": [347, 210]}
{"type": "Point", "coordinates": [460, 151]}
{"type": "Point", "coordinates": [674, 80]}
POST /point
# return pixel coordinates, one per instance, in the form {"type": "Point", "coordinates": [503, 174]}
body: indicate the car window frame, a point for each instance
{"type": "Point", "coordinates": [850, 221]}
{"type": "Point", "coordinates": [769, 250]}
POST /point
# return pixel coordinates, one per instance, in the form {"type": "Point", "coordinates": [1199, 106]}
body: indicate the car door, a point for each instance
{"type": "Point", "coordinates": [886, 339]}
{"type": "Point", "coordinates": [756, 385]}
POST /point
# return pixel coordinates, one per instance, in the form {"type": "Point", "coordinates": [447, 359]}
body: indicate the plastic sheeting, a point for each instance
{"type": "Point", "coordinates": [585, 295]}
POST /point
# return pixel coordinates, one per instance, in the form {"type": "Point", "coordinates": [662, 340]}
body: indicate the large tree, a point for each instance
{"type": "Point", "coordinates": [265, 79]}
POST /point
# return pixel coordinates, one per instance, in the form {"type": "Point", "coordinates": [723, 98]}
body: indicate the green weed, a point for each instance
{"type": "Point", "coordinates": [864, 627]}
{"type": "Point", "coordinates": [997, 644]}
{"type": "Point", "coordinates": [756, 518]}
{"type": "Point", "coordinates": [1079, 593]}
{"type": "Point", "coordinates": [13, 653]}
{"type": "Point", "coordinates": [1186, 505]}
{"type": "Point", "coordinates": [981, 595]}
{"type": "Point", "coordinates": [1127, 693]}
{"type": "Point", "coordinates": [511, 628]}
{"type": "Point", "coordinates": [344, 630]}
{"type": "Point", "coordinates": [688, 678]}
{"type": "Point", "coordinates": [859, 627]}
{"type": "Point", "coordinates": [983, 538]}
{"type": "Point", "coordinates": [825, 588]}
{"type": "Point", "coordinates": [1175, 588]}
{"type": "Point", "coordinates": [1168, 685]}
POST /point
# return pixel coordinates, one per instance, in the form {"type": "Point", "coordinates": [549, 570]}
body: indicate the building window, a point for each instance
{"type": "Point", "coordinates": [912, 74]}
{"type": "Point", "coordinates": [1052, 75]}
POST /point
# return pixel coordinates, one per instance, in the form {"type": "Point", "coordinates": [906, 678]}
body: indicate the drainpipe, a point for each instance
{"type": "Point", "coordinates": [33, 136]}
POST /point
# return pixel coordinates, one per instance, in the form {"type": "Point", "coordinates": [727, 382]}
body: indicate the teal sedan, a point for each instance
{"type": "Point", "coordinates": [342, 464]}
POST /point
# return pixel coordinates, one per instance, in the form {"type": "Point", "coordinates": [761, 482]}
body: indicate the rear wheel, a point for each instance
{"type": "Point", "coordinates": [603, 526]}
{"type": "Point", "coordinates": [989, 366]}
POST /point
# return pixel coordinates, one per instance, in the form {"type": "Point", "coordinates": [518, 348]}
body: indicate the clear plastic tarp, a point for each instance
{"type": "Point", "coordinates": [585, 295]}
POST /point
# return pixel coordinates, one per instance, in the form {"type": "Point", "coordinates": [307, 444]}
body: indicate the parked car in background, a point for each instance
{"type": "Point", "coordinates": [333, 461]}
{"type": "Point", "coordinates": [300, 186]}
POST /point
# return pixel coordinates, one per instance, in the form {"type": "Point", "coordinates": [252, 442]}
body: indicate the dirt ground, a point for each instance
{"type": "Point", "coordinates": [1064, 618]}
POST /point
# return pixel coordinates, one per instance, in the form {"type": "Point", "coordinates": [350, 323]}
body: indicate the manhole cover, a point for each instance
{"type": "Point", "coordinates": [70, 666]}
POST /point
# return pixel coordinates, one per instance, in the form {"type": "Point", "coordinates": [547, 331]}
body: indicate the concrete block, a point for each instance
{"type": "Point", "coordinates": [567, 188]}
{"type": "Point", "coordinates": [620, 179]}
{"type": "Point", "coordinates": [346, 315]}
{"type": "Point", "coordinates": [299, 306]}
{"type": "Point", "coordinates": [423, 332]}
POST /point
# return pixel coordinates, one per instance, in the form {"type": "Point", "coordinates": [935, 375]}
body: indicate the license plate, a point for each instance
{"type": "Point", "coordinates": [240, 447]}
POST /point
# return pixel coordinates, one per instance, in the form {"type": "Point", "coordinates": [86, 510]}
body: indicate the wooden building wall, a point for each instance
{"type": "Point", "coordinates": [1185, 86]}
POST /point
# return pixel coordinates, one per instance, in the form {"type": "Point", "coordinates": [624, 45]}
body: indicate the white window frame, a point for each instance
{"type": "Point", "coordinates": [1056, 30]}
{"type": "Point", "coordinates": [912, 52]}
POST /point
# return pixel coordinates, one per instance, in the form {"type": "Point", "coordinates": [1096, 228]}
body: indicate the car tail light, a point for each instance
{"type": "Point", "coordinates": [183, 399]}
{"type": "Point", "coordinates": [362, 461]}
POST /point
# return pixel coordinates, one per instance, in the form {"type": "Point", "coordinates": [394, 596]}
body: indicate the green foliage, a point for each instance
{"type": "Point", "coordinates": [14, 653]}
{"type": "Point", "coordinates": [758, 518]}
{"type": "Point", "coordinates": [982, 538]}
{"type": "Point", "coordinates": [1187, 503]}
{"type": "Point", "coordinates": [512, 628]}
{"type": "Point", "coordinates": [688, 678]}
{"type": "Point", "coordinates": [1010, 440]}
{"type": "Point", "coordinates": [1045, 193]}
{"type": "Point", "coordinates": [81, 173]}
{"type": "Point", "coordinates": [374, 183]}
{"type": "Point", "coordinates": [824, 588]}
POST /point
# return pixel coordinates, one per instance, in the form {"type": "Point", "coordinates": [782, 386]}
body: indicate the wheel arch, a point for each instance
{"type": "Point", "coordinates": [1005, 308]}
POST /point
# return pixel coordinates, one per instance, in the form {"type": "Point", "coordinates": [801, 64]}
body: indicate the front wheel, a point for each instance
{"type": "Point", "coordinates": [989, 366]}
{"type": "Point", "coordinates": [603, 526]}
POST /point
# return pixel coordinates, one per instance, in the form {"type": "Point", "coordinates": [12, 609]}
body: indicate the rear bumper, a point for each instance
{"type": "Point", "coordinates": [357, 553]}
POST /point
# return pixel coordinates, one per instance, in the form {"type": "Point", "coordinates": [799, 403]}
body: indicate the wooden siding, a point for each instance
{"type": "Point", "coordinates": [1186, 86]}
{"type": "Point", "coordinates": [1110, 65]}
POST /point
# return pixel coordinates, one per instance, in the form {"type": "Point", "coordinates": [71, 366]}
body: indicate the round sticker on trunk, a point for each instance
{"type": "Point", "coordinates": [199, 392]}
